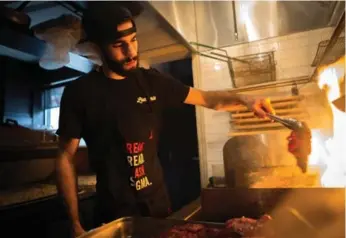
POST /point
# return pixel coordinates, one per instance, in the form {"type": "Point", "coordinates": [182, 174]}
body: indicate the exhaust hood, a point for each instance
{"type": "Point", "coordinates": [226, 23]}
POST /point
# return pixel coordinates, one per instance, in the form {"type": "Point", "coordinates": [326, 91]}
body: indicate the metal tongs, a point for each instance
{"type": "Point", "coordinates": [290, 123]}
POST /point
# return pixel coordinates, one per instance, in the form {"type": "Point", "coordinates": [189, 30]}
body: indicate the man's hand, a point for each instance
{"type": "Point", "coordinates": [260, 106]}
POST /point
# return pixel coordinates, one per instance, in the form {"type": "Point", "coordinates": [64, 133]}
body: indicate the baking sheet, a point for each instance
{"type": "Point", "coordinates": [139, 227]}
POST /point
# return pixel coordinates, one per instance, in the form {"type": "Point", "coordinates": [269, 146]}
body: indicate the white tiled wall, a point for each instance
{"type": "Point", "coordinates": [293, 55]}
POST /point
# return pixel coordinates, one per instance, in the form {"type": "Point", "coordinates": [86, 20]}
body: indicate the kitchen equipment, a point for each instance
{"type": "Point", "coordinates": [309, 213]}
{"type": "Point", "coordinates": [242, 156]}
{"type": "Point", "coordinates": [290, 123]}
{"type": "Point", "coordinates": [264, 161]}
{"type": "Point", "coordinates": [292, 209]}
{"type": "Point", "coordinates": [335, 53]}
{"type": "Point", "coordinates": [217, 205]}
{"type": "Point", "coordinates": [14, 135]}
{"type": "Point", "coordinates": [139, 227]}
{"type": "Point", "coordinates": [244, 70]}
{"type": "Point", "coordinates": [24, 157]}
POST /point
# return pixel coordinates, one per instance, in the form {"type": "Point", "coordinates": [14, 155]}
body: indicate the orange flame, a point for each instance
{"type": "Point", "coordinates": [331, 77]}
{"type": "Point", "coordinates": [330, 154]}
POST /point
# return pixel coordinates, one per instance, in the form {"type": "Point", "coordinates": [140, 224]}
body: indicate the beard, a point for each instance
{"type": "Point", "coordinates": [119, 66]}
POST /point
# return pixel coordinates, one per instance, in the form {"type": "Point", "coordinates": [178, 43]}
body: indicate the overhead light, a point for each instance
{"type": "Point", "coordinates": [217, 66]}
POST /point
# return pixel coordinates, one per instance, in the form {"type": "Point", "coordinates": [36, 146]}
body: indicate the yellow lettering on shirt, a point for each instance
{"type": "Point", "coordinates": [129, 160]}
{"type": "Point", "coordinates": [142, 183]}
{"type": "Point", "coordinates": [135, 160]}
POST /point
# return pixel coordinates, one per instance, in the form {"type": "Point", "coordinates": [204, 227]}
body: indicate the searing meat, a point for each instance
{"type": "Point", "coordinates": [193, 227]}
{"type": "Point", "coordinates": [299, 144]}
{"type": "Point", "coordinates": [191, 231]}
{"type": "Point", "coordinates": [247, 226]}
{"type": "Point", "coordinates": [234, 228]}
{"type": "Point", "coordinates": [265, 218]}
{"type": "Point", "coordinates": [241, 225]}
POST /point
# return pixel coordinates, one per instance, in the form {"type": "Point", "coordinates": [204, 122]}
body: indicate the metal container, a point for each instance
{"type": "Point", "coordinates": [139, 227]}
{"type": "Point", "coordinates": [217, 205]}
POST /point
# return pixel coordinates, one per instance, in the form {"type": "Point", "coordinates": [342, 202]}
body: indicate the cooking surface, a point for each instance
{"type": "Point", "coordinates": [295, 211]}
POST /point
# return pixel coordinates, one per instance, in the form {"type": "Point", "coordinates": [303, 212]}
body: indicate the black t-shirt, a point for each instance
{"type": "Point", "coordinates": [120, 129]}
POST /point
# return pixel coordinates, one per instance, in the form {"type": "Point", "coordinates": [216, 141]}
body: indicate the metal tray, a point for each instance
{"type": "Point", "coordinates": [140, 227]}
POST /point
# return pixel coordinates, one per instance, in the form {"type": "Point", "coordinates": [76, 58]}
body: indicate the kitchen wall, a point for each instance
{"type": "Point", "coordinates": [294, 55]}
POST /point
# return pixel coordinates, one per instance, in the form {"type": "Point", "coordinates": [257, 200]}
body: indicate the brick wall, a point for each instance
{"type": "Point", "coordinates": [293, 55]}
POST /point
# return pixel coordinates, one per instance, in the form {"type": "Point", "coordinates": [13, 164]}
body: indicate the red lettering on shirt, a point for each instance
{"type": "Point", "coordinates": [139, 171]}
{"type": "Point", "coordinates": [129, 147]}
{"type": "Point", "coordinates": [135, 148]}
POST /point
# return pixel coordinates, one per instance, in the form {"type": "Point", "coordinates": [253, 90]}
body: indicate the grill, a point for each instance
{"type": "Point", "coordinates": [217, 205]}
{"type": "Point", "coordinates": [244, 122]}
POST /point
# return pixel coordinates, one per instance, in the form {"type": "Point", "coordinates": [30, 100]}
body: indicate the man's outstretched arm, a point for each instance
{"type": "Point", "coordinates": [224, 100]}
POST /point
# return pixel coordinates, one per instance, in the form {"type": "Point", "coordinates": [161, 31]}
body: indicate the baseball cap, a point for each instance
{"type": "Point", "coordinates": [101, 19]}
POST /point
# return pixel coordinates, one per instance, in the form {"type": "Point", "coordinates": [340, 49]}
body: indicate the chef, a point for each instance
{"type": "Point", "coordinates": [117, 111]}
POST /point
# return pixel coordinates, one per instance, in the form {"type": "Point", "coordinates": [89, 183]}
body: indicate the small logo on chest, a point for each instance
{"type": "Point", "coordinates": [142, 100]}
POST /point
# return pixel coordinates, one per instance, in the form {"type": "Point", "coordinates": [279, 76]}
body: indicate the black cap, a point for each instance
{"type": "Point", "coordinates": [101, 19]}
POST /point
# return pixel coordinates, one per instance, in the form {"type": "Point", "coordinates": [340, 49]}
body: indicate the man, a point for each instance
{"type": "Point", "coordinates": [117, 112]}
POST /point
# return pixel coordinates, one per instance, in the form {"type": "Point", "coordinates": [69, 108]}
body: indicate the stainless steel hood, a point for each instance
{"type": "Point", "coordinates": [226, 23]}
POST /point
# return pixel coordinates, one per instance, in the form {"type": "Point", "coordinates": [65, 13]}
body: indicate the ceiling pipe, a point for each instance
{"type": "Point", "coordinates": [235, 20]}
